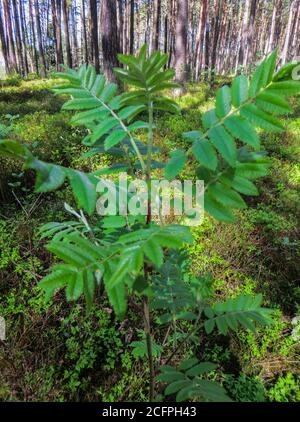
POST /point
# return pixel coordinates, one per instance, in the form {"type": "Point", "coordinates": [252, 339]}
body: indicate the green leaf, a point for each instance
{"type": "Point", "coordinates": [285, 88]}
{"type": "Point", "coordinates": [251, 170]}
{"type": "Point", "coordinates": [56, 280]}
{"type": "Point", "coordinates": [108, 93]}
{"type": "Point", "coordinates": [170, 377]}
{"type": "Point", "coordinates": [129, 112]}
{"type": "Point", "coordinates": [272, 103]}
{"type": "Point", "coordinates": [205, 153]}
{"type": "Point", "coordinates": [201, 368]}
{"type": "Point", "coordinates": [244, 186]}
{"type": "Point", "coordinates": [10, 148]}
{"type": "Point", "coordinates": [241, 129]}
{"type": "Point", "coordinates": [239, 90]}
{"type": "Point", "coordinates": [223, 101]}
{"type": "Point", "coordinates": [154, 252]}
{"type": "Point", "coordinates": [114, 138]}
{"type": "Point", "coordinates": [224, 144]}
{"type": "Point", "coordinates": [211, 391]}
{"type": "Point", "coordinates": [176, 386]}
{"type": "Point", "coordinates": [226, 196]}
{"type": "Point", "coordinates": [98, 85]}
{"type": "Point", "coordinates": [84, 191]}
{"type": "Point", "coordinates": [261, 118]}
{"type": "Point", "coordinates": [49, 176]}
{"type": "Point", "coordinates": [263, 74]}
{"type": "Point", "coordinates": [217, 210]}
{"type": "Point", "coordinates": [103, 128]}
{"type": "Point", "coordinates": [81, 104]}
{"type": "Point", "coordinates": [209, 325]}
{"type": "Point", "coordinates": [209, 118]}
{"type": "Point", "coordinates": [193, 135]}
{"type": "Point", "coordinates": [113, 221]}
{"type": "Point", "coordinates": [117, 298]}
{"type": "Point", "coordinates": [175, 164]}
{"type": "Point", "coordinates": [75, 287]}
{"type": "Point", "coordinates": [187, 364]}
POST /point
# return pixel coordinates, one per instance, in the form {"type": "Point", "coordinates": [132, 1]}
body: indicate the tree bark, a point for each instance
{"type": "Point", "coordinates": [84, 34]}
{"type": "Point", "coordinates": [74, 34]}
{"type": "Point", "coordinates": [94, 33]}
{"type": "Point", "coordinates": [157, 19]}
{"type": "Point", "coordinates": [10, 37]}
{"type": "Point", "coordinates": [109, 37]}
{"type": "Point", "coordinates": [288, 32]}
{"type": "Point", "coordinates": [18, 38]}
{"type": "Point", "coordinates": [120, 25]}
{"type": "Point", "coordinates": [40, 40]}
{"type": "Point", "coordinates": [181, 45]}
{"type": "Point", "coordinates": [67, 32]}
{"type": "Point", "coordinates": [3, 44]}
{"type": "Point", "coordinates": [131, 45]}
{"type": "Point", "coordinates": [33, 41]}
{"type": "Point", "coordinates": [24, 44]}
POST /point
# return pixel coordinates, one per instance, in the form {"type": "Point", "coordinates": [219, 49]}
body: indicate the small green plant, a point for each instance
{"type": "Point", "coordinates": [134, 256]}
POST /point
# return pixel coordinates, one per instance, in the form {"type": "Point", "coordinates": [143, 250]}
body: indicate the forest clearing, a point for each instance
{"type": "Point", "coordinates": [138, 301]}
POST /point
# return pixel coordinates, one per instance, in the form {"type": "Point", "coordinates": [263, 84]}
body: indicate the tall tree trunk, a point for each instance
{"type": "Point", "coordinates": [60, 56]}
{"type": "Point", "coordinates": [200, 39]}
{"type": "Point", "coordinates": [67, 32]}
{"type": "Point", "coordinates": [94, 33]}
{"type": "Point", "coordinates": [288, 32]}
{"type": "Point", "coordinates": [33, 41]}
{"type": "Point", "coordinates": [181, 45]}
{"type": "Point", "coordinates": [74, 33]}
{"type": "Point", "coordinates": [131, 46]}
{"type": "Point", "coordinates": [216, 32]}
{"type": "Point", "coordinates": [40, 40]}
{"type": "Point", "coordinates": [54, 24]}
{"type": "Point", "coordinates": [84, 34]}
{"type": "Point", "coordinates": [109, 37]}
{"type": "Point", "coordinates": [18, 38]}
{"type": "Point", "coordinates": [120, 26]}
{"type": "Point", "coordinates": [3, 44]}
{"type": "Point", "coordinates": [166, 33]}
{"type": "Point", "coordinates": [244, 34]}
{"type": "Point", "coordinates": [24, 44]}
{"type": "Point", "coordinates": [156, 31]}
{"type": "Point", "coordinates": [10, 37]}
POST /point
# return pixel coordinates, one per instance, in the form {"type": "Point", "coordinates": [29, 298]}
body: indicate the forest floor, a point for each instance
{"type": "Point", "coordinates": [54, 352]}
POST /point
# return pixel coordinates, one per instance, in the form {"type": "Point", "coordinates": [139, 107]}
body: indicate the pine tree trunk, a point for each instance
{"type": "Point", "coordinates": [131, 46]}
{"type": "Point", "coordinates": [67, 32]}
{"type": "Point", "coordinates": [288, 32]}
{"type": "Point", "coordinates": [54, 23]}
{"type": "Point", "coordinates": [84, 34]}
{"type": "Point", "coordinates": [33, 41]}
{"type": "Point", "coordinates": [74, 34]}
{"type": "Point", "coordinates": [181, 45]}
{"type": "Point", "coordinates": [156, 31]}
{"type": "Point", "coordinates": [24, 44]}
{"type": "Point", "coordinates": [60, 56]}
{"type": "Point", "coordinates": [120, 26]}
{"type": "Point", "coordinates": [18, 38]}
{"type": "Point", "coordinates": [40, 41]}
{"type": "Point", "coordinates": [3, 44]}
{"type": "Point", "coordinates": [109, 37]}
{"type": "Point", "coordinates": [94, 34]}
{"type": "Point", "coordinates": [10, 37]}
